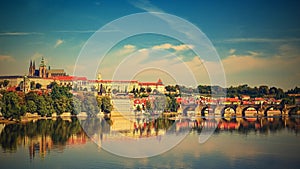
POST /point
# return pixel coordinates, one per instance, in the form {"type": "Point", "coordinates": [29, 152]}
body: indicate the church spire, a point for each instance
{"type": "Point", "coordinates": [42, 62]}
{"type": "Point", "coordinates": [30, 68]}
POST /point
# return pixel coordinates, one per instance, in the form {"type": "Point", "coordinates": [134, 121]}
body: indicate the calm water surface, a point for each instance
{"type": "Point", "coordinates": [236, 143]}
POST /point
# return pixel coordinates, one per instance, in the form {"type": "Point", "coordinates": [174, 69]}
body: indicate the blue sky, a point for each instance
{"type": "Point", "coordinates": [257, 41]}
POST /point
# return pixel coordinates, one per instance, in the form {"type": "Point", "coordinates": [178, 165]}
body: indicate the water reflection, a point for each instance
{"type": "Point", "coordinates": [42, 136]}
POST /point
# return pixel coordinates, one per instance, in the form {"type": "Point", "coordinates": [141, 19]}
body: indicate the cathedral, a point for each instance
{"type": "Point", "coordinates": [42, 70]}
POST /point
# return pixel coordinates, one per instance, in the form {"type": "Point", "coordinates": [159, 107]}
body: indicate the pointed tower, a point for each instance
{"type": "Point", "coordinates": [33, 67]}
{"type": "Point", "coordinates": [42, 69]}
{"type": "Point", "coordinates": [30, 68]}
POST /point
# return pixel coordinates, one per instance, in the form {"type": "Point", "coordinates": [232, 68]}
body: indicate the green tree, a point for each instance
{"type": "Point", "coordinates": [41, 106]}
{"type": "Point", "coordinates": [263, 90]}
{"type": "Point", "coordinates": [106, 104]}
{"type": "Point", "coordinates": [99, 101]}
{"type": "Point", "coordinates": [160, 103]}
{"type": "Point", "coordinates": [148, 89]}
{"type": "Point", "coordinates": [273, 90]}
{"type": "Point", "coordinates": [76, 106]}
{"type": "Point", "coordinates": [89, 103]}
{"type": "Point", "coordinates": [31, 107]}
{"type": "Point", "coordinates": [280, 94]}
{"type": "Point", "coordinates": [138, 108]}
{"type": "Point", "coordinates": [148, 105]}
{"type": "Point", "coordinates": [51, 85]}
{"type": "Point", "coordinates": [5, 83]}
{"type": "Point", "coordinates": [172, 104]}
{"type": "Point", "coordinates": [31, 96]}
{"type": "Point", "coordinates": [60, 105]}
{"type": "Point", "coordinates": [11, 106]}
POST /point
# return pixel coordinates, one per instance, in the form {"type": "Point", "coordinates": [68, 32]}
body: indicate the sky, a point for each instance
{"type": "Point", "coordinates": [257, 42]}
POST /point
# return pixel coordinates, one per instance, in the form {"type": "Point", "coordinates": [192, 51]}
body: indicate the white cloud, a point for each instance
{"type": "Point", "coordinates": [254, 54]}
{"type": "Point", "coordinates": [6, 58]}
{"type": "Point", "coordinates": [19, 33]}
{"type": "Point", "coordinates": [126, 50]}
{"type": "Point", "coordinates": [58, 43]}
{"type": "Point", "coordinates": [76, 31]}
{"type": "Point", "coordinates": [145, 5]}
{"type": "Point", "coordinates": [166, 46]}
{"type": "Point", "coordinates": [253, 70]}
{"type": "Point", "coordinates": [129, 46]}
{"type": "Point", "coordinates": [288, 51]}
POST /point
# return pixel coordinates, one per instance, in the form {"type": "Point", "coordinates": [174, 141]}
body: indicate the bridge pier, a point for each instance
{"type": "Point", "coordinates": [261, 112]}
{"type": "Point", "coordinates": [238, 111]}
{"type": "Point", "coordinates": [218, 110]}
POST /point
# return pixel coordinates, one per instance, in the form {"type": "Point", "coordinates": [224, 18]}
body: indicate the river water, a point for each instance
{"type": "Point", "coordinates": [235, 143]}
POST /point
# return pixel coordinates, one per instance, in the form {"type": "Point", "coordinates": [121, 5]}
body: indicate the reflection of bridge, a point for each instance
{"type": "Point", "coordinates": [240, 109]}
{"type": "Point", "coordinates": [240, 124]}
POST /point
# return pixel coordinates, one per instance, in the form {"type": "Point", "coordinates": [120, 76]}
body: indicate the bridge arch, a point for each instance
{"type": "Point", "coordinates": [188, 107]}
{"type": "Point", "coordinates": [232, 107]}
{"type": "Point", "coordinates": [208, 108]}
{"type": "Point", "coordinates": [272, 107]}
{"type": "Point", "coordinates": [293, 110]}
{"type": "Point", "coordinates": [247, 107]}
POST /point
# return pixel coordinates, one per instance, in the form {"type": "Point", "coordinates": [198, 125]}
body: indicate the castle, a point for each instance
{"type": "Point", "coordinates": [43, 72]}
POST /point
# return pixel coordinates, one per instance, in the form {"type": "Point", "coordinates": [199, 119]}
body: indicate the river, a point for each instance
{"type": "Point", "coordinates": [84, 143]}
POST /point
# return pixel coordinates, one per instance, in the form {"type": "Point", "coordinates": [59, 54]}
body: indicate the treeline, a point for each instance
{"type": "Point", "coordinates": [59, 100]}
{"type": "Point", "coordinates": [238, 91]}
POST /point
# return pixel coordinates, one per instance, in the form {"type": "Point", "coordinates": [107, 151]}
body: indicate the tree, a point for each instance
{"type": "Point", "coordinates": [172, 104]}
{"type": "Point", "coordinates": [263, 90]}
{"type": "Point", "coordinates": [296, 90]}
{"type": "Point", "coordinates": [279, 94]}
{"type": "Point", "coordinates": [49, 105]}
{"type": "Point", "coordinates": [203, 89]}
{"type": "Point", "coordinates": [99, 101]}
{"type": "Point", "coordinates": [160, 103]}
{"type": "Point", "coordinates": [138, 108]}
{"type": "Point", "coordinates": [51, 85]}
{"type": "Point", "coordinates": [106, 104]}
{"type": "Point", "coordinates": [148, 89]}
{"type": "Point", "coordinates": [41, 106]}
{"type": "Point", "coordinates": [11, 106]}
{"type": "Point", "coordinates": [60, 105]}
{"type": "Point", "coordinates": [76, 106]}
{"type": "Point", "coordinates": [89, 103]}
{"type": "Point", "coordinates": [148, 105]}
{"type": "Point", "coordinates": [5, 83]}
{"type": "Point", "coordinates": [31, 107]}
{"type": "Point", "coordinates": [273, 90]}
{"type": "Point", "coordinates": [31, 96]}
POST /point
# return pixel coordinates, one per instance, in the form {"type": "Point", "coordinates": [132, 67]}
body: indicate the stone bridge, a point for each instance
{"type": "Point", "coordinates": [239, 109]}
